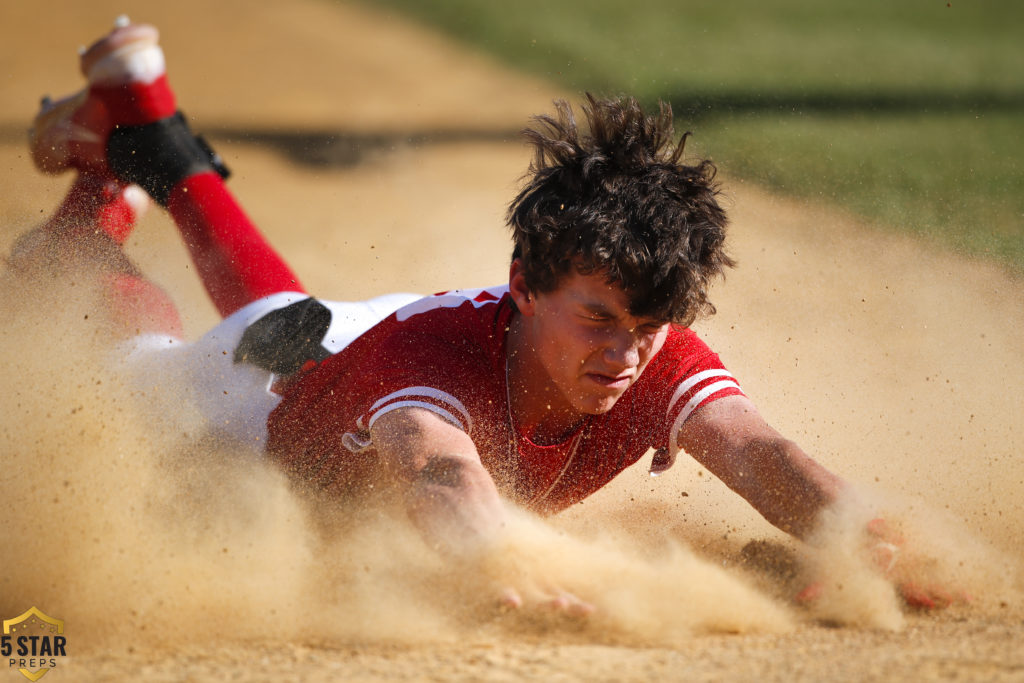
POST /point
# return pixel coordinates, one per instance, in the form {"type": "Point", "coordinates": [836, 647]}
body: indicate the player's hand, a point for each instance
{"type": "Point", "coordinates": [550, 600]}
{"type": "Point", "coordinates": [890, 554]}
{"type": "Point", "coordinates": [897, 560]}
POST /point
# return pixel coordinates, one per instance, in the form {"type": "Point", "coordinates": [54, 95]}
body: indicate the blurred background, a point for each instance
{"type": "Point", "coordinates": [906, 113]}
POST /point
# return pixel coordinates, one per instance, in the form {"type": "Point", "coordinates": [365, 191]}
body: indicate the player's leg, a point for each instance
{"type": "Point", "coordinates": [126, 125]}
{"type": "Point", "coordinates": [233, 374]}
{"type": "Point", "coordinates": [84, 237]}
{"type": "Point", "coordinates": [236, 263]}
{"type": "Point", "coordinates": [93, 204]}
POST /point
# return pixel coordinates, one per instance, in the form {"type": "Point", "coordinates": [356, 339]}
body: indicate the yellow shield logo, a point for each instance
{"type": "Point", "coordinates": [32, 641]}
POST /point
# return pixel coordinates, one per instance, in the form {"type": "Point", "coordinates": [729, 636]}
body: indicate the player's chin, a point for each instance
{"type": "Point", "coordinates": [598, 404]}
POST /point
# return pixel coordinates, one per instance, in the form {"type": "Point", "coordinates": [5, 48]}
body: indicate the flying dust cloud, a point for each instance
{"type": "Point", "coordinates": [135, 528]}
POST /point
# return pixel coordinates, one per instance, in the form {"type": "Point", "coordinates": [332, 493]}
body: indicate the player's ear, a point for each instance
{"type": "Point", "coordinates": [521, 294]}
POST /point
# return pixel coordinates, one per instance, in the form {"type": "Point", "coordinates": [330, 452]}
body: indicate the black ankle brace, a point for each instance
{"type": "Point", "coordinates": [159, 155]}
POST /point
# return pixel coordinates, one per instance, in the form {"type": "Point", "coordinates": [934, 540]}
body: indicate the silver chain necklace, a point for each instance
{"type": "Point", "coordinates": [513, 451]}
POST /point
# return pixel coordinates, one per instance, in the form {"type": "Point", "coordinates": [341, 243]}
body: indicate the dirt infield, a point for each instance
{"type": "Point", "coordinates": [379, 157]}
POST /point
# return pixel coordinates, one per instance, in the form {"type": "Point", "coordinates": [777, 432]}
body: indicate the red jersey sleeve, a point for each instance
{"type": "Point", "coordinates": [687, 375]}
{"type": "Point", "coordinates": [438, 361]}
{"type": "Point", "coordinates": [421, 370]}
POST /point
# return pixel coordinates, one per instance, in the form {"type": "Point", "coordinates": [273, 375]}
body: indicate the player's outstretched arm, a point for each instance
{"type": "Point", "coordinates": [772, 473]}
{"type": "Point", "coordinates": [452, 499]}
{"type": "Point", "coordinates": [449, 495]}
{"type": "Point", "coordinates": [790, 489]}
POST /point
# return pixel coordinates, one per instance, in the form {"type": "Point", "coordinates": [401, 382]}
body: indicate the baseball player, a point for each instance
{"type": "Point", "coordinates": [538, 391]}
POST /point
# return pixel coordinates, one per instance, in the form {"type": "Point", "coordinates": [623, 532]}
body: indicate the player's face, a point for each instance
{"type": "Point", "coordinates": [588, 344]}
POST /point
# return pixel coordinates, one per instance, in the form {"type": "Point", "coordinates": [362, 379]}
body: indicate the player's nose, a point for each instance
{"type": "Point", "coordinates": [622, 352]}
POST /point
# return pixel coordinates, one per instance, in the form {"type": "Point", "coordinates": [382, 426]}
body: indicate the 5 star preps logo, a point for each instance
{"type": "Point", "coordinates": [32, 642]}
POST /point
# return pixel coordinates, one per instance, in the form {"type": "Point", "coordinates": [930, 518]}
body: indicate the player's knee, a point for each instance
{"type": "Point", "coordinates": [285, 339]}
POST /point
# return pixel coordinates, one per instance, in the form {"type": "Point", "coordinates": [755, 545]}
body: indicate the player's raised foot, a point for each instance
{"type": "Point", "coordinates": [127, 86]}
{"type": "Point", "coordinates": [95, 205]}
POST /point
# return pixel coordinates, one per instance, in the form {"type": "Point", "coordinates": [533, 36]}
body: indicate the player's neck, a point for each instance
{"type": "Point", "coordinates": [536, 407]}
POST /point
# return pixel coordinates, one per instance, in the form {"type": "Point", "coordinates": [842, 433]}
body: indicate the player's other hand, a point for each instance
{"type": "Point", "coordinates": [911, 573]}
{"type": "Point", "coordinates": [550, 600]}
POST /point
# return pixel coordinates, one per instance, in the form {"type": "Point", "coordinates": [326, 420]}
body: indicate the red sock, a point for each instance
{"type": "Point", "coordinates": [95, 203]}
{"type": "Point", "coordinates": [110, 106]}
{"type": "Point", "coordinates": [235, 262]}
{"type": "Point", "coordinates": [91, 224]}
{"type": "Point", "coordinates": [137, 103]}
{"type": "Point", "coordinates": [138, 306]}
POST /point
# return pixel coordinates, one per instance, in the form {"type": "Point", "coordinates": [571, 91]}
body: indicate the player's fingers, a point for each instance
{"type": "Point", "coordinates": [509, 599]}
{"type": "Point", "coordinates": [914, 596]}
{"type": "Point", "coordinates": [932, 596]}
{"type": "Point", "coordinates": [941, 596]}
{"type": "Point", "coordinates": [884, 555]}
{"type": "Point", "coordinates": [880, 529]}
{"type": "Point", "coordinates": [581, 609]}
{"type": "Point", "coordinates": [810, 593]}
{"type": "Point", "coordinates": [568, 604]}
{"type": "Point", "coordinates": [924, 597]}
{"type": "Point", "coordinates": [552, 600]}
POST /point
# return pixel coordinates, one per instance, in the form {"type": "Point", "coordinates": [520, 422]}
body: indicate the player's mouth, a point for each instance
{"type": "Point", "coordinates": [618, 382]}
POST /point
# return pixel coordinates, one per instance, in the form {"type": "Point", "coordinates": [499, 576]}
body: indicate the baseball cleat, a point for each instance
{"type": "Point", "coordinates": [127, 86]}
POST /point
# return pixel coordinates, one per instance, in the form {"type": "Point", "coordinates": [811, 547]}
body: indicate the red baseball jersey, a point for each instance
{"type": "Point", "coordinates": [446, 354]}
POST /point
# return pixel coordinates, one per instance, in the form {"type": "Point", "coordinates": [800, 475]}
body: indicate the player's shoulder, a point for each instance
{"type": "Point", "coordinates": [480, 303]}
{"type": "Point", "coordinates": [682, 344]}
{"type": "Point", "coordinates": [461, 319]}
{"type": "Point", "coordinates": [447, 334]}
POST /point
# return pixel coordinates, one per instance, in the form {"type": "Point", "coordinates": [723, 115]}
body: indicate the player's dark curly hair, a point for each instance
{"type": "Point", "coordinates": [617, 200]}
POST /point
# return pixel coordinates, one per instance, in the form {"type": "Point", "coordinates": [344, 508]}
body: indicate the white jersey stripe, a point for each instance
{"type": "Point", "coordinates": [452, 299]}
{"type": "Point", "coordinates": [693, 381]}
{"type": "Point", "coordinates": [430, 393]}
{"type": "Point", "coordinates": [691, 405]}
{"type": "Point", "coordinates": [703, 394]}
{"type": "Point", "coordinates": [416, 404]}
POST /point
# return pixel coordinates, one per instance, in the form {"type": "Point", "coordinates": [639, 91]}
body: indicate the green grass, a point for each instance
{"type": "Point", "coordinates": [945, 177]}
{"type": "Point", "coordinates": [908, 113]}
